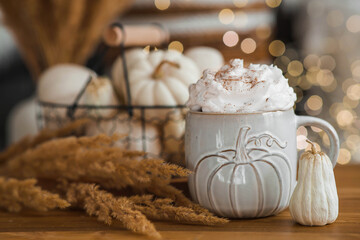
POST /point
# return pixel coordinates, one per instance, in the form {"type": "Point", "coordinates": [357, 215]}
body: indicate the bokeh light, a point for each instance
{"type": "Point", "coordinates": [316, 129]}
{"type": "Point", "coordinates": [330, 88]}
{"type": "Point", "coordinates": [347, 83]}
{"type": "Point", "coordinates": [324, 78]}
{"type": "Point", "coordinates": [314, 103]}
{"type": "Point", "coordinates": [248, 45]}
{"type": "Point", "coordinates": [353, 24]}
{"type": "Point", "coordinates": [273, 3]}
{"type": "Point", "coordinates": [295, 68]}
{"type": "Point", "coordinates": [355, 68]}
{"type": "Point", "coordinates": [230, 38]}
{"type": "Point", "coordinates": [301, 142]}
{"type": "Point", "coordinates": [344, 156]}
{"type": "Point", "coordinates": [350, 103]}
{"type": "Point", "coordinates": [326, 140]}
{"type": "Point", "coordinates": [240, 3]}
{"type": "Point", "coordinates": [353, 92]}
{"type": "Point", "coordinates": [344, 118]}
{"type": "Point", "coordinates": [327, 62]}
{"type": "Point", "coordinates": [277, 48]}
{"type": "Point", "coordinates": [353, 141]}
{"type": "Point", "coordinates": [176, 45]}
{"type": "Point", "coordinates": [226, 16]}
{"type": "Point", "coordinates": [162, 4]}
{"type": "Point", "coordinates": [311, 61]}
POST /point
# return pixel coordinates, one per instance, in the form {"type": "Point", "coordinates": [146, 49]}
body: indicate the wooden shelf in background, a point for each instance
{"type": "Point", "coordinates": [77, 225]}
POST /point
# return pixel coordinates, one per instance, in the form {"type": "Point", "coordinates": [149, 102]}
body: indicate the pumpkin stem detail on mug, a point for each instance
{"type": "Point", "coordinates": [241, 155]}
{"type": "Point", "coordinates": [157, 72]}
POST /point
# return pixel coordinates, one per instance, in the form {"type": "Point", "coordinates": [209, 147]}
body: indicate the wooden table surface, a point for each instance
{"type": "Point", "coordinates": [77, 225]}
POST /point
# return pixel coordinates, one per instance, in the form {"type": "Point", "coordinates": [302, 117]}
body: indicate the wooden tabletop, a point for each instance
{"type": "Point", "coordinates": [77, 225]}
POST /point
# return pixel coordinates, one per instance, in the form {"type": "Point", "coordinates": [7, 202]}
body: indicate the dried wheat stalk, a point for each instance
{"type": "Point", "coordinates": [132, 211]}
{"type": "Point", "coordinates": [106, 207]}
{"type": "Point", "coordinates": [73, 128]}
{"type": "Point", "coordinates": [165, 209]}
{"type": "Point", "coordinates": [91, 159]}
{"type": "Point", "coordinates": [16, 194]}
{"type": "Point", "coordinates": [49, 32]}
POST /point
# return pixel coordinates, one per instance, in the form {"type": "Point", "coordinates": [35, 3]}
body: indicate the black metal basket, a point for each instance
{"type": "Point", "coordinates": [157, 136]}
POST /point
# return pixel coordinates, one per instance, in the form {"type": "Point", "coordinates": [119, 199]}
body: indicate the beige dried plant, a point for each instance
{"type": "Point", "coordinates": [91, 159]}
{"type": "Point", "coordinates": [72, 128]}
{"type": "Point", "coordinates": [18, 194]}
{"type": "Point", "coordinates": [106, 207]}
{"type": "Point", "coordinates": [165, 209]}
{"type": "Point", "coordinates": [49, 32]}
{"type": "Point", "coordinates": [133, 211]}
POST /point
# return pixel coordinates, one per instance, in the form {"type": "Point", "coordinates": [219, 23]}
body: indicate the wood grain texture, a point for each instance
{"type": "Point", "coordinates": [56, 225]}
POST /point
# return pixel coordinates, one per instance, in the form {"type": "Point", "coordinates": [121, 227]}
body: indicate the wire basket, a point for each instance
{"type": "Point", "coordinates": [156, 130]}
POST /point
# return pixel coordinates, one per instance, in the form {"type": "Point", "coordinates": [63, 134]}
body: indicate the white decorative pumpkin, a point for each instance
{"type": "Point", "coordinates": [156, 78]}
{"type": "Point", "coordinates": [314, 201]}
{"type": "Point", "coordinates": [148, 140]}
{"type": "Point", "coordinates": [22, 120]}
{"type": "Point", "coordinates": [100, 92]}
{"type": "Point", "coordinates": [206, 57]}
{"type": "Point", "coordinates": [244, 183]}
{"type": "Point", "coordinates": [62, 83]}
{"type": "Point", "coordinates": [174, 130]}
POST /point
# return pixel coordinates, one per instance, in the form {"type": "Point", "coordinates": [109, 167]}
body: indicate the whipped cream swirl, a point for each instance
{"type": "Point", "coordinates": [236, 89]}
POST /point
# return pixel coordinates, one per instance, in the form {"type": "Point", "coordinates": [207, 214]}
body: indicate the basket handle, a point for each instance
{"type": "Point", "coordinates": [72, 108]}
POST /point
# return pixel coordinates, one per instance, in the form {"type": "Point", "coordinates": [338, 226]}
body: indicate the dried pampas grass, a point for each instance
{"type": "Point", "coordinates": [72, 128]}
{"type": "Point", "coordinates": [49, 32]}
{"type": "Point", "coordinates": [17, 194]}
{"type": "Point", "coordinates": [133, 212]}
{"type": "Point", "coordinates": [107, 182]}
{"type": "Point", "coordinates": [166, 209]}
{"type": "Point", "coordinates": [91, 159]}
{"type": "Point", "coordinates": [106, 207]}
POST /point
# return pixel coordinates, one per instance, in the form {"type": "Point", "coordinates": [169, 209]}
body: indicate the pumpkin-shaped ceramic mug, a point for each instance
{"type": "Point", "coordinates": [244, 165]}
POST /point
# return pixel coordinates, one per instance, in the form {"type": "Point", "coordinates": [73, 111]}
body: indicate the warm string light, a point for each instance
{"type": "Point", "coordinates": [273, 3]}
{"type": "Point", "coordinates": [162, 4]}
{"type": "Point", "coordinates": [318, 70]}
{"type": "Point", "coordinates": [353, 24]}
{"type": "Point", "coordinates": [226, 16]}
{"type": "Point", "coordinates": [230, 38]}
{"type": "Point", "coordinates": [248, 45]}
{"type": "Point", "coordinates": [240, 3]}
{"type": "Point", "coordinates": [176, 45]}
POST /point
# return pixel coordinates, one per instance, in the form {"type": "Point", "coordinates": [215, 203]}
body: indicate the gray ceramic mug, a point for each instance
{"type": "Point", "coordinates": [244, 165]}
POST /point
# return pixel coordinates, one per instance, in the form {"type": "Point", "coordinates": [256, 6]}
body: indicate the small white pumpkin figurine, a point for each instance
{"type": "Point", "coordinates": [206, 57]}
{"type": "Point", "coordinates": [315, 201]}
{"type": "Point", "coordinates": [62, 83]}
{"type": "Point", "coordinates": [156, 78]}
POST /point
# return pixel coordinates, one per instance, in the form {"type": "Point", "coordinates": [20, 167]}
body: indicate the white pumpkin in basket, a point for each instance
{"type": "Point", "coordinates": [174, 130]}
{"type": "Point", "coordinates": [61, 84]}
{"type": "Point", "coordinates": [22, 120]}
{"type": "Point", "coordinates": [206, 57]}
{"type": "Point", "coordinates": [156, 78]}
{"type": "Point", "coordinates": [148, 140]}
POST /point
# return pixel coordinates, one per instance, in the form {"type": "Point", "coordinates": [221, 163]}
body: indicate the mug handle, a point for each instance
{"type": "Point", "coordinates": [329, 130]}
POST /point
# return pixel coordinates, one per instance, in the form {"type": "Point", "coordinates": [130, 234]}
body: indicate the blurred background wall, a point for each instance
{"type": "Point", "coordinates": [315, 43]}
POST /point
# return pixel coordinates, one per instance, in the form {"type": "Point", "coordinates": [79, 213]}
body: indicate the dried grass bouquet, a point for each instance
{"type": "Point", "coordinates": [106, 181]}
